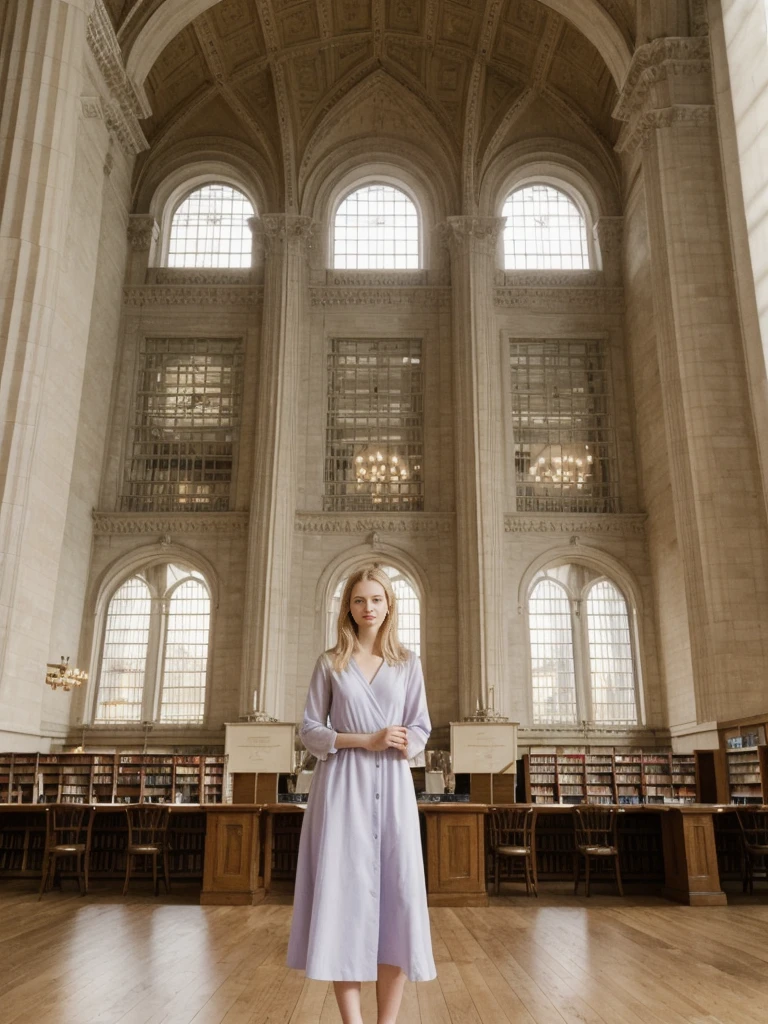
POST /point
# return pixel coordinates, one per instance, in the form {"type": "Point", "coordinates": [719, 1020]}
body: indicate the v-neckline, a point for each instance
{"type": "Point", "coordinates": [360, 671]}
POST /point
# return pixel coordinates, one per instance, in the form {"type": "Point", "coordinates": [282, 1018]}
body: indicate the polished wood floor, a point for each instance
{"type": "Point", "coordinates": [558, 960]}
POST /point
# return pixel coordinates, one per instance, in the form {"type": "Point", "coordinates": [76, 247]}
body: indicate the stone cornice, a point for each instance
{"type": "Point", "coordinates": [373, 522]}
{"type": "Point", "coordinates": [124, 107]}
{"type": "Point", "coordinates": [623, 524]}
{"type": "Point", "coordinates": [193, 295]}
{"type": "Point", "coordinates": [425, 299]}
{"type": "Point", "coordinates": [168, 524]}
{"type": "Point", "coordinates": [562, 300]}
{"type": "Point", "coordinates": [657, 61]}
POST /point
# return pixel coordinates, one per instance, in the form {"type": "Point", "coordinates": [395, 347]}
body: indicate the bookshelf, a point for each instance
{"type": "Point", "coordinates": [112, 778]}
{"type": "Point", "coordinates": [605, 777]}
{"type": "Point", "coordinates": [747, 769]}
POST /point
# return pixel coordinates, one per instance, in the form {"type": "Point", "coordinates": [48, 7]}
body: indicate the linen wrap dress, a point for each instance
{"type": "Point", "coordinates": [360, 896]}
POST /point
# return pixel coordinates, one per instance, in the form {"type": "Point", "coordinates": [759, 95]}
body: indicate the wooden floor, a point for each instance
{"type": "Point", "coordinates": [558, 960]}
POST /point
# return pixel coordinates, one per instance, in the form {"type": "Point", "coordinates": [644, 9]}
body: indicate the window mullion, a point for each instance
{"type": "Point", "coordinates": [581, 659]}
{"type": "Point", "coordinates": [155, 657]}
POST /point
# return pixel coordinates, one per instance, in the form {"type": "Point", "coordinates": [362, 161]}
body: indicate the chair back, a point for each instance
{"type": "Point", "coordinates": [754, 827]}
{"type": "Point", "coordinates": [67, 824]}
{"type": "Point", "coordinates": [511, 826]}
{"type": "Point", "coordinates": [147, 824]}
{"type": "Point", "coordinates": [595, 825]}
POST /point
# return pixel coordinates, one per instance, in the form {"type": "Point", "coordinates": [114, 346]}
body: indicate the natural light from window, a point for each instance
{"type": "Point", "coordinates": [210, 229]}
{"type": "Point", "coordinates": [376, 228]}
{"type": "Point", "coordinates": [544, 231]}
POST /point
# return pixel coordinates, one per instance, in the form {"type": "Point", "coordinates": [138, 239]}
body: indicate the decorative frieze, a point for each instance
{"type": "Point", "coordinates": [199, 275]}
{"type": "Point", "coordinates": [192, 295]}
{"type": "Point", "coordinates": [425, 299]}
{"type": "Point", "coordinates": [310, 522]}
{"type": "Point", "coordinates": [124, 108]}
{"type": "Point", "coordinates": [619, 524]}
{"type": "Point", "coordinates": [376, 278]}
{"type": "Point", "coordinates": [549, 278]}
{"type": "Point", "coordinates": [562, 300]}
{"type": "Point", "coordinates": [119, 523]}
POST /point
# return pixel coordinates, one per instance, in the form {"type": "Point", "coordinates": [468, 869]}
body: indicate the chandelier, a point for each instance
{"type": "Point", "coordinates": [380, 470]}
{"type": "Point", "coordinates": [63, 677]}
{"type": "Point", "coordinates": [566, 468]}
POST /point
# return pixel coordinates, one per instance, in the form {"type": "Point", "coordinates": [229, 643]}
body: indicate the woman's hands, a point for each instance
{"type": "Point", "coordinates": [393, 736]}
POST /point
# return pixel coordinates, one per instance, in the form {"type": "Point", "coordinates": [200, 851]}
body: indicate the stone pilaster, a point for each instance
{"type": "Point", "coordinates": [608, 233]}
{"type": "Point", "coordinates": [41, 67]}
{"type": "Point", "coordinates": [720, 517]}
{"type": "Point", "coordinates": [143, 235]}
{"type": "Point", "coordinates": [285, 239]}
{"type": "Point", "coordinates": [480, 466]}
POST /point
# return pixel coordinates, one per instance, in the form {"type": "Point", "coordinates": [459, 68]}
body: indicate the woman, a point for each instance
{"type": "Point", "coordinates": [360, 906]}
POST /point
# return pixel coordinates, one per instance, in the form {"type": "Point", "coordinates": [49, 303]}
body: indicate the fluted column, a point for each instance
{"type": "Point", "coordinates": [480, 478]}
{"type": "Point", "coordinates": [285, 239]}
{"type": "Point", "coordinates": [720, 517]}
{"type": "Point", "coordinates": [42, 47]}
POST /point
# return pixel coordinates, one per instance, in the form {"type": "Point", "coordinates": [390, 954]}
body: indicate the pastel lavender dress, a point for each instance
{"type": "Point", "coordinates": [360, 896]}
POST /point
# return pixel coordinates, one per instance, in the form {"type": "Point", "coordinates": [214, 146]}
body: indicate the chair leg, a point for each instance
{"type": "Point", "coordinates": [586, 873]}
{"type": "Point", "coordinates": [527, 876]}
{"type": "Point", "coordinates": [535, 874]}
{"type": "Point", "coordinates": [80, 879]}
{"type": "Point", "coordinates": [576, 873]}
{"type": "Point", "coordinates": [87, 866]}
{"type": "Point", "coordinates": [46, 870]}
{"type": "Point", "coordinates": [166, 872]}
{"type": "Point", "coordinates": [128, 857]}
{"type": "Point", "coordinates": [154, 874]}
{"type": "Point", "coordinates": [496, 871]}
{"type": "Point", "coordinates": [618, 875]}
{"type": "Point", "coordinates": [743, 870]}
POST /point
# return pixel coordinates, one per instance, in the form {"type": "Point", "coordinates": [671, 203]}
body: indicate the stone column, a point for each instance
{"type": "Point", "coordinates": [720, 518]}
{"type": "Point", "coordinates": [286, 240]}
{"type": "Point", "coordinates": [41, 67]}
{"type": "Point", "coordinates": [479, 366]}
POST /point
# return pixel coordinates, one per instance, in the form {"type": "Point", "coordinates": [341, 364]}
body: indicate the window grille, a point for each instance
{"type": "Point", "coordinates": [182, 445]}
{"type": "Point", "coordinates": [552, 663]}
{"type": "Point", "coordinates": [544, 231]}
{"type": "Point", "coordinates": [611, 667]}
{"type": "Point", "coordinates": [185, 664]}
{"type": "Point", "coordinates": [210, 229]}
{"type": "Point", "coordinates": [123, 663]}
{"type": "Point", "coordinates": [565, 451]}
{"type": "Point", "coordinates": [376, 228]}
{"type": "Point", "coordinates": [408, 609]}
{"type": "Point", "coordinates": [374, 442]}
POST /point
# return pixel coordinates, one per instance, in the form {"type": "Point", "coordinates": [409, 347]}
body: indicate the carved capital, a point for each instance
{"type": "Point", "coordinates": [143, 230]}
{"type": "Point", "coordinates": [641, 131]}
{"type": "Point", "coordinates": [276, 230]}
{"type": "Point", "coordinates": [461, 233]}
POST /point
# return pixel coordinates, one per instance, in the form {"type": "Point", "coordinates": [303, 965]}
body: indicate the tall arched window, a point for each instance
{"type": "Point", "coordinates": [408, 609]}
{"type": "Point", "coordinates": [583, 654]}
{"type": "Point", "coordinates": [155, 648]}
{"type": "Point", "coordinates": [552, 662]}
{"type": "Point", "coordinates": [545, 230]}
{"type": "Point", "coordinates": [210, 229]}
{"type": "Point", "coordinates": [376, 228]}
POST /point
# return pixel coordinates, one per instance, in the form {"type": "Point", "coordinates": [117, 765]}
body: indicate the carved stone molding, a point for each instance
{"type": "Point", "coordinates": [656, 61]}
{"type": "Point", "coordinates": [164, 524]}
{"type": "Point", "coordinates": [124, 108]}
{"type": "Point", "coordinates": [458, 232]}
{"type": "Point", "coordinates": [641, 131]}
{"type": "Point", "coordinates": [549, 278]}
{"type": "Point", "coordinates": [562, 300]}
{"type": "Point", "coordinates": [425, 299]}
{"type": "Point", "coordinates": [376, 278]}
{"type": "Point", "coordinates": [581, 736]}
{"type": "Point", "coordinates": [623, 524]}
{"type": "Point", "coordinates": [192, 295]}
{"type": "Point", "coordinates": [143, 230]}
{"type": "Point", "coordinates": [372, 522]}
{"type": "Point", "coordinates": [199, 275]}
{"type": "Point", "coordinates": [277, 229]}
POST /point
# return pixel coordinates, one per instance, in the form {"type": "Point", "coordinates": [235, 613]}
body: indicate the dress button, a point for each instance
{"type": "Point", "coordinates": [375, 835]}
{"type": "Point", "coordinates": [377, 796]}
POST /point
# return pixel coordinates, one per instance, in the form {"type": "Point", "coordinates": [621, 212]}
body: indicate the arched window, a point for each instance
{"type": "Point", "coordinates": [124, 656]}
{"type": "Point", "coordinates": [552, 662]}
{"type": "Point", "coordinates": [376, 228]}
{"type": "Point", "coordinates": [610, 655]}
{"type": "Point", "coordinates": [545, 230]}
{"type": "Point", "coordinates": [583, 654]}
{"type": "Point", "coordinates": [210, 229]}
{"type": "Point", "coordinates": [155, 650]}
{"type": "Point", "coordinates": [408, 609]}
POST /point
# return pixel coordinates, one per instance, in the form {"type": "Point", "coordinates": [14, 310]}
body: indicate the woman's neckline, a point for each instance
{"type": "Point", "coordinates": [362, 674]}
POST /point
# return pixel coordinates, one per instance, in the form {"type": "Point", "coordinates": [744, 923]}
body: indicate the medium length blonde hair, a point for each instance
{"type": "Point", "coordinates": [391, 648]}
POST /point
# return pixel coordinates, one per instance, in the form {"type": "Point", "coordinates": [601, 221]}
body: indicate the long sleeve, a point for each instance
{"type": "Point", "coordinates": [416, 715]}
{"type": "Point", "coordinates": [317, 737]}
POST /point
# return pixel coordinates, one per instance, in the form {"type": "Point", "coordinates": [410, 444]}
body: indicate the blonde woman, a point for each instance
{"type": "Point", "coordinates": [360, 905]}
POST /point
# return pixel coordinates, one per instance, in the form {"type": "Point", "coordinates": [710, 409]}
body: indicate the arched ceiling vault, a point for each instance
{"type": "Point", "coordinates": [269, 72]}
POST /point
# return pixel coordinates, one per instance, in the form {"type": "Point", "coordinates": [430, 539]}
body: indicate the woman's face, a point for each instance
{"type": "Point", "coordinates": [368, 604]}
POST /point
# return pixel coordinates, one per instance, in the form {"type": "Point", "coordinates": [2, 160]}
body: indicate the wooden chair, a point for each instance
{"type": "Point", "coordinates": [512, 832]}
{"type": "Point", "coordinates": [68, 830]}
{"type": "Point", "coordinates": [754, 844]}
{"type": "Point", "coordinates": [148, 837]}
{"type": "Point", "coordinates": [596, 835]}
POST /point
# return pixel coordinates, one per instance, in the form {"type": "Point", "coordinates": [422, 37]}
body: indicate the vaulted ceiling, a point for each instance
{"type": "Point", "coordinates": [271, 72]}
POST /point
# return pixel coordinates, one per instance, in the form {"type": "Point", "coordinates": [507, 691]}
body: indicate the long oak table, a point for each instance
{"type": "Point", "coordinates": [239, 841]}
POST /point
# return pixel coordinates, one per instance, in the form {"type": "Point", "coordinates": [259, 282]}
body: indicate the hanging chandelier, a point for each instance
{"type": "Point", "coordinates": [380, 470]}
{"type": "Point", "coordinates": [63, 677]}
{"type": "Point", "coordinates": [566, 468]}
